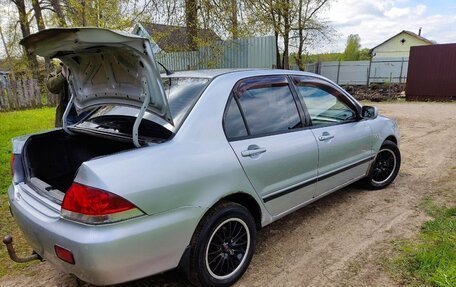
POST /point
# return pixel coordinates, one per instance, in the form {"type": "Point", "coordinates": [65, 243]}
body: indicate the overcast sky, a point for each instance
{"type": "Point", "coordinates": [377, 20]}
{"type": "Point", "coordinates": [374, 20]}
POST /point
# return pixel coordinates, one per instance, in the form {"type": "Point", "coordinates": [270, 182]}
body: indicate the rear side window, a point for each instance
{"type": "Point", "coordinates": [234, 123]}
{"type": "Point", "coordinates": [268, 105]}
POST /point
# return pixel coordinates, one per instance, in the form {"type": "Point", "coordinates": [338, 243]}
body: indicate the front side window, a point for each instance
{"type": "Point", "coordinates": [268, 105]}
{"type": "Point", "coordinates": [324, 104]}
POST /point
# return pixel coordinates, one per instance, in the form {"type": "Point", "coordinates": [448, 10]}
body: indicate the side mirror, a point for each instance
{"type": "Point", "coordinates": [369, 112]}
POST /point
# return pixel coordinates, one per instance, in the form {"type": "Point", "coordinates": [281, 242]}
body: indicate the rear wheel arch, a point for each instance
{"type": "Point", "coordinates": [241, 198]}
{"type": "Point", "coordinates": [233, 205]}
{"type": "Point", "coordinates": [248, 202]}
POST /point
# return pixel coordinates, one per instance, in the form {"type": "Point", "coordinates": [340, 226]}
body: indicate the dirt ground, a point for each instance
{"type": "Point", "coordinates": [346, 238]}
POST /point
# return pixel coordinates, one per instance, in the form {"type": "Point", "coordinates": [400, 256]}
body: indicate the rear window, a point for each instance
{"type": "Point", "coordinates": [182, 93]}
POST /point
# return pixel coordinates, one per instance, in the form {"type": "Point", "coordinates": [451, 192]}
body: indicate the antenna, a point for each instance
{"type": "Point", "coordinates": [168, 72]}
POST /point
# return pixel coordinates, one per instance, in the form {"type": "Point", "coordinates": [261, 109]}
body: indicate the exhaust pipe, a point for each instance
{"type": "Point", "coordinates": [8, 241]}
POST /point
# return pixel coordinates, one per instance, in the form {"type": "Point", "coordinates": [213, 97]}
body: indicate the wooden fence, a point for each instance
{"type": "Point", "coordinates": [23, 93]}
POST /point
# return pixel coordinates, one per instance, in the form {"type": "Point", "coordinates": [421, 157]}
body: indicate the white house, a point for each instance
{"type": "Point", "coordinates": [399, 45]}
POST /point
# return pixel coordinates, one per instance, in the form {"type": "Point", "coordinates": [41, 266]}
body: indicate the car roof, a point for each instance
{"type": "Point", "coordinates": [212, 73]}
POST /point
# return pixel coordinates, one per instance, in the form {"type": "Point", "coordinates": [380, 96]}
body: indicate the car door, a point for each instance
{"type": "Point", "coordinates": [344, 139]}
{"type": "Point", "coordinates": [265, 128]}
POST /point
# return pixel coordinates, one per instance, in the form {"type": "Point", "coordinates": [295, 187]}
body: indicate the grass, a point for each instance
{"type": "Point", "coordinates": [430, 260]}
{"type": "Point", "coordinates": [14, 124]}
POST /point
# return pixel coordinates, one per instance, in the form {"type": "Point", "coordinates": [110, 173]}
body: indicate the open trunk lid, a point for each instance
{"type": "Point", "coordinates": [106, 67]}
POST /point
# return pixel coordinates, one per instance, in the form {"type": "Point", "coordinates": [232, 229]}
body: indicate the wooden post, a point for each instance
{"type": "Point", "coordinates": [402, 67]}
{"type": "Point", "coordinates": [2, 96]}
{"type": "Point", "coordinates": [11, 93]}
{"type": "Point", "coordinates": [32, 93]}
{"type": "Point", "coordinates": [38, 93]}
{"type": "Point", "coordinates": [10, 66]}
{"type": "Point", "coordinates": [391, 82]}
{"type": "Point", "coordinates": [369, 72]}
{"type": "Point", "coordinates": [25, 101]}
{"type": "Point", "coordinates": [338, 72]}
{"type": "Point", "coordinates": [18, 94]}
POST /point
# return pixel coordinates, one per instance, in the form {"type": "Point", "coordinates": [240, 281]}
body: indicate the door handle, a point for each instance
{"type": "Point", "coordinates": [253, 152]}
{"type": "Point", "coordinates": [325, 136]}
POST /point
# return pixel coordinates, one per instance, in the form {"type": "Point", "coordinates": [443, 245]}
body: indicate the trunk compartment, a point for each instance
{"type": "Point", "coordinates": [51, 160]}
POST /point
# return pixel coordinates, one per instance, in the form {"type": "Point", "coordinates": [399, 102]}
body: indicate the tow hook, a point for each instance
{"type": "Point", "coordinates": [8, 241]}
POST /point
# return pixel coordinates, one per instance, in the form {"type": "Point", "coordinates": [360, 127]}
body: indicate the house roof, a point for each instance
{"type": "Point", "coordinates": [174, 38]}
{"type": "Point", "coordinates": [409, 33]}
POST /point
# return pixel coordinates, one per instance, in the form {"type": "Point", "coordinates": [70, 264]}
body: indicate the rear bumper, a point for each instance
{"type": "Point", "coordinates": [107, 254]}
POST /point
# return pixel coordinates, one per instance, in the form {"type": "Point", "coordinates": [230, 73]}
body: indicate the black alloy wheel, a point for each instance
{"type": "Point", "coordinates": [227, 247]}
{"type": "Point", "coordinates": [222, 246]}
{"type": "Point", "coordinates": [385, 167]}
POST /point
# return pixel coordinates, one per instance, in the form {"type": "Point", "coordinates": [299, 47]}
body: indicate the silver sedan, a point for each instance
{"type": "Point", "coordinates": [183, 170]}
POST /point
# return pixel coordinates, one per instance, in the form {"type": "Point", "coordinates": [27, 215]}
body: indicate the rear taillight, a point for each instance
{"type": "Point", "coordinates": [95, 206]}
{"type": "Point", "coordinates": [12, 164]}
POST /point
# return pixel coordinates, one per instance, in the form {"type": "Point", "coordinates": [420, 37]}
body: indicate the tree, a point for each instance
{"type": "Point", "coordinates": [105, 14]}
{"type": "Point", "coordinates": [269, 14]}
{"type": "Point", "coordinates": [364, 54]}
{"type": "Point", "coordinates": [25, 29]}
{"type": "Point", "coordinates": [57, 9]}
{"type": "Point", "coordinates": [221, 16]}
{"type": "Point", "coordinates": [191, 20]}
{"type": "Point", "coordinates": [234, 19]}
{"type": "Point", "coordinates": [38, 15]}
{"type": "Point", "coordinates": [352, 49]}
{"type": "Point", "coordinates": [309, 28]}
{"type": "Point", "coordinates": [41, 26]}
{"type": "Point", "coordinates": [294, 23]}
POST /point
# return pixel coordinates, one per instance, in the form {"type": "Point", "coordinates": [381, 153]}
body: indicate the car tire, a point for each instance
{"type": "Point", "coordinates": [222, 246]}
{"type": "Point", "coordinates": [385, 167]}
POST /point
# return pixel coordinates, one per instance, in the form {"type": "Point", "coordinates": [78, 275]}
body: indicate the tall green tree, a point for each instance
{"type": "Point", "coordinates": [56, 7]}
{"type": "Point", "coordinates": [96, 13]}
{"type": "Point", "coordinates": [309, 29]}
{"type": "Point", "coordinates": [191, 21]}
{"type": "Point", "coordinates": [223, 17]}
{"type": "Point", "coordinates": [24, 23]}
{"type": "Point", "coordinates": [352, 48]}
{"type": "Point", "coordinates": [295, 23]}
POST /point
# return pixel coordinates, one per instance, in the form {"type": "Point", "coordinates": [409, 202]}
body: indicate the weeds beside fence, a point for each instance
{"type": "Point", "coordinates": [24, 93]}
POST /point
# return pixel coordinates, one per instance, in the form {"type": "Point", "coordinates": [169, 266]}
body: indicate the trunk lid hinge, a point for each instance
{"type": "Point", "coordinates": [67, 109]}
{"type": "Point", "coordinates": [135, 133]}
